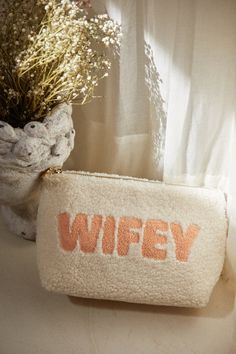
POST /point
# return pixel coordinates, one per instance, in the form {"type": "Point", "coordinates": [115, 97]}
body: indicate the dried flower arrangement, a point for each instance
{"type": "Point", "coordinates": [51, 52]}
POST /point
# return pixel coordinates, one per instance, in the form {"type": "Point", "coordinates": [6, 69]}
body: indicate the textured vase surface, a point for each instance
{"type": "Point", "coordinates": [24, 155]}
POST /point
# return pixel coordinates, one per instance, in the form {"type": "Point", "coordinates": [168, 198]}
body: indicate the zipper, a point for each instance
{"type": "Point", "coordinates": [52, 171]}
{"type": "Point", "coordinates": [58, 170]}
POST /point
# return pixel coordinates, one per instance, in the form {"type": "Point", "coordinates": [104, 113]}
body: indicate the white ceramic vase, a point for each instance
{"type": "Point", "coordinates": [24, 155]}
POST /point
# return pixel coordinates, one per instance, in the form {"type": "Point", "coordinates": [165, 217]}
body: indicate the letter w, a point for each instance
{"type": "Point", "coordinates": [79, 231]}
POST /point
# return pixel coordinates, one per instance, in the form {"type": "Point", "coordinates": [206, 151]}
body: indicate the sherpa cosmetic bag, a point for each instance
{"type": "Point", "coordinates": [128, 239]}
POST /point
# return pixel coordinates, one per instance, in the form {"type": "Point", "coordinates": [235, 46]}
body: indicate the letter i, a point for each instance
{"type": "Point", "coordinates": [108, 241]}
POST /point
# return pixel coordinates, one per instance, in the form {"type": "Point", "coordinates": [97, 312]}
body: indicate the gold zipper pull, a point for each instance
{"type": "Point", "coordinates": [52, 171]}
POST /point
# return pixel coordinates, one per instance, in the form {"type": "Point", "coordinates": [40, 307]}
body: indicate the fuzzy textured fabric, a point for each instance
{"type": "Point", "coordinates": [110, 237]}
{"type": "Point", "coordinates": [24, 154]}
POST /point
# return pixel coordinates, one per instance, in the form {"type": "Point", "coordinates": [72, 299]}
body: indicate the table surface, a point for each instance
{"type": "Point", "coordinates": [32, 320]}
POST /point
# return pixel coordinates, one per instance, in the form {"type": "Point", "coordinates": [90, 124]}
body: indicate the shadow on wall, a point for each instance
{"type": "Point", "coordinates": [123, 132]}
{"type": "Point", "coordinates": [153, 82]}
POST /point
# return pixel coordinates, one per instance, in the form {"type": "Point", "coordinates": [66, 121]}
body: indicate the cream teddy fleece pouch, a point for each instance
{"type": "Point", "coordinates": [120, 238]}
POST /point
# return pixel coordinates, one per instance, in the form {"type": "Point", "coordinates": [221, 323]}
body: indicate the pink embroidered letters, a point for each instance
{"type": "Point", "coordinates": [84, 232]}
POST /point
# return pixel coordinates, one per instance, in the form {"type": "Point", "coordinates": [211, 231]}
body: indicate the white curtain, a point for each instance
{"type": "Point", "coordinates": [168, 108]}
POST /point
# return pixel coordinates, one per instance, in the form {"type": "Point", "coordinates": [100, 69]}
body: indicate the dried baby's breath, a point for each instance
{"type": "Point", "coordinates": [50, 52]}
